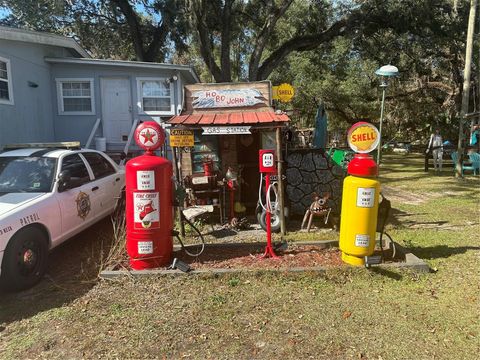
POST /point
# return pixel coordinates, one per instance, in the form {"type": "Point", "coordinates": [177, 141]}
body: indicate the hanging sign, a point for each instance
{"type": "Point", "coordinates": [181, 138]}
{"type": "Point", "coordinates": [363, 137]}
{"type": "Point", "coordinates": [285, 93]}
{"type": "Point", "coordinates": [208, 99]}
{"type": "Point", "coordinates": [226, 130]}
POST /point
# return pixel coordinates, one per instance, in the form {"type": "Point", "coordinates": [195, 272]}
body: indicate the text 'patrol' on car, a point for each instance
{"type": "Point", "coordinates": [48, 195]}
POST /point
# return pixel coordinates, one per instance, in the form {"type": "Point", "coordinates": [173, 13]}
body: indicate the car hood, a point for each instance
{"type": "Point", "coordinates": [11, 201]}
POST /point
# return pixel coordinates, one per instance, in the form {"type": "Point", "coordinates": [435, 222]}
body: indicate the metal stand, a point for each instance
{"type": "Point", "coordinates": [269, 249]}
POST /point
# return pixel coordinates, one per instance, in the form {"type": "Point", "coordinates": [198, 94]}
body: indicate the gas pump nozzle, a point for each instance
{"type": "Point", "coordinates": [180, 265]}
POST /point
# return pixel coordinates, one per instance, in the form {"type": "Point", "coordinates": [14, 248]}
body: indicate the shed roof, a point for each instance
{"type": "Point", "coordinates": [36, 37]}
{"type": "Point", "coordinates": [233, 118]}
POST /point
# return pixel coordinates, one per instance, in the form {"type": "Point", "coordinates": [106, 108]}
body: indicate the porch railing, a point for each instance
{"type": "Point", "coordinates": [92, 133]}
{"type": "Point", "coordinates": [129, 141]}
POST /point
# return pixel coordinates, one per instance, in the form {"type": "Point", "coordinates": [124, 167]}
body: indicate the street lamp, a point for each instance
{"type": "Point", "coordinates": [386, 72]}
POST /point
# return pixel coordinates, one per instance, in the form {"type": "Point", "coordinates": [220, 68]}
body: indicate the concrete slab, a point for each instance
{"type": "Point", "coordinates": [410, 261]}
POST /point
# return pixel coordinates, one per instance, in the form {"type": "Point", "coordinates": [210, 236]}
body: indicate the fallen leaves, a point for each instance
{"type": "Point", "coordinates": [346, 315]}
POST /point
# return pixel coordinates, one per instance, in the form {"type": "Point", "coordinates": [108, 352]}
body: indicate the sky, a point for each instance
{"type": "Point", "coordinates": [4, 12]}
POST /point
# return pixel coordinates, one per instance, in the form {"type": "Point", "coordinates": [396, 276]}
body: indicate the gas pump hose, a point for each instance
{"type": "Point", "coordinates": [194, 228]}
{"type": "Point", "coordinates": [268, 204]}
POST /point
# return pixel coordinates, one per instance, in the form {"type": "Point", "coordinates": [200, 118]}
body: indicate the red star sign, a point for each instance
{"type": "Point", "coordinates": [148, 137]}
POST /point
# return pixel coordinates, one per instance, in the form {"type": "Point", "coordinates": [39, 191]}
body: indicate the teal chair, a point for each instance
{"type": "Point", "coordinates": [475, 160]}
{"type": "Point", "coordinates": [466, 166]}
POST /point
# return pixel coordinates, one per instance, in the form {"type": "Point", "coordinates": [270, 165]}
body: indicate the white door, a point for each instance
{"type": "Point", "coordinates": [116, 109]}
{"type": "Point", "coordinates": [107, 184]}
{"type": "Point", "coordinates": [78, 203]}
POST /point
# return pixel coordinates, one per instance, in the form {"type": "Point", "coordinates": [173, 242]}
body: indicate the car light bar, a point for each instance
{"type": "Point", "coordinates": [57, 145]}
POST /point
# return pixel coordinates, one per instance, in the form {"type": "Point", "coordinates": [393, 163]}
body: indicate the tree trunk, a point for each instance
{"type": "Point", "coordinates": [134, 25]}
{"type": "Point", "coordinates": [466, 86]}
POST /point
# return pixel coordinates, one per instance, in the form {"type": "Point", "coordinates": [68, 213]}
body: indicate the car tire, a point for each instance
{"type": "Point", "coordinates": [25, 259]}
{"type": "Point", "coordinates": [275, 222]}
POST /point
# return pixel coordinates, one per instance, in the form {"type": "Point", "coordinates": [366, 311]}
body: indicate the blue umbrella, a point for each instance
{"type": "Point", "coordinates": [320, 134]}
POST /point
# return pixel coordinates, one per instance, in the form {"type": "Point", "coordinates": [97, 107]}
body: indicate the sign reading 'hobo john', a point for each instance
{"type": "Point", "coordinates": [226, 98]}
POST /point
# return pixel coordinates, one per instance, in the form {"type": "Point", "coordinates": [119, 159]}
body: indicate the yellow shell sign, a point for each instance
{"type": "Point", "coordinates": [285, 92]}
{"type": "Point", "coordinates": [363, 137]}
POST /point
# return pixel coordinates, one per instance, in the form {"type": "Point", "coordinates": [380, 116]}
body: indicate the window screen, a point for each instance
{"type": "Point", "coordinates": [76, 96]}
{"type": "Point", "coordinates": [5, 87]}
{"type": "Point", "coordinates": [155, 95]}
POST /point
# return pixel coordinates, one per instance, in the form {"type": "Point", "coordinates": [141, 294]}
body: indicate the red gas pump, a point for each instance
{"type": "Point", "coordinates": [266, 164]}
{"type": "Point", "coordinates": [149, 209]}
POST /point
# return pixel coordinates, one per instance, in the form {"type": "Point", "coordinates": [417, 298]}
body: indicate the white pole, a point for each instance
{"type": "Point", "coordinates": [379, 146]}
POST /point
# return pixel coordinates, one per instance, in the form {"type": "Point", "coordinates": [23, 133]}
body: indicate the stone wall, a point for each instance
{"type": "Point", "coordinates": [311, 171]}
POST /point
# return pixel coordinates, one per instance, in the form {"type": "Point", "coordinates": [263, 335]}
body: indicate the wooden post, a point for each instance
{"type": "Point", "coordinates": [280, 181]}
{"type": "Point", "coordinates": [180, 206]}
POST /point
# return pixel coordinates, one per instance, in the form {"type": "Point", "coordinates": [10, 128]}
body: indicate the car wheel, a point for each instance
{"type": "Point", "coordinates": [274, 221]}
{"type": "Point", "coordinates": [25, 259]}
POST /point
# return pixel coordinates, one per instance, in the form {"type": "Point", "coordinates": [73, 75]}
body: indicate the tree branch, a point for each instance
{"type": "Point", "coordinates": [205, 43]}
{"type": "Point", "coordinates": [134, 25]}
{"type": "Point", "coordinates": [303, 43]}
{"type": "Point", "coordinates": [275, 13]}
{"type": "Point", "coordinates": [225, 39]}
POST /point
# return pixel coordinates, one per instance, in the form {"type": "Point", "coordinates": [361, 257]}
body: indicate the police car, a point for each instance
{"type": "Point", "coordinates": [49, 193]}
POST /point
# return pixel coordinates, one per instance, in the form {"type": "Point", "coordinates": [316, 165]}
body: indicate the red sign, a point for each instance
{"type": "Point", "coordinates": [149, 135]}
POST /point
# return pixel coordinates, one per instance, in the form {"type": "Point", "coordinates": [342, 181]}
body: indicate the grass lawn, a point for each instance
{"type": "Point", "coordinates": [347, 313]}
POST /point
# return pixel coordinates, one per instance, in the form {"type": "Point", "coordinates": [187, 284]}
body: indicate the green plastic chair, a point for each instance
{"type": "Point", "coordinates": [465, 166]}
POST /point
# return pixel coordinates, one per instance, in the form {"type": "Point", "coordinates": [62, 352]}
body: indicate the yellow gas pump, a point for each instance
{"type": "Point", "coordinates": [360, 196]}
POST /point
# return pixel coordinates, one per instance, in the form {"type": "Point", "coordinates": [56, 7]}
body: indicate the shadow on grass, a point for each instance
{"type": "Point", "coordinates": [387, 273]}
{"type": "Point", "coordinates": [440, 251]}
{"type": "Point", "coordinates": [72, 271]}
{"type": "Point", "coordinates": [396, 218]}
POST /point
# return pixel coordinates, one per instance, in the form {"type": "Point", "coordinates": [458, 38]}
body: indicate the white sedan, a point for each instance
{"type": "Point", "coordinates": [48, 195]}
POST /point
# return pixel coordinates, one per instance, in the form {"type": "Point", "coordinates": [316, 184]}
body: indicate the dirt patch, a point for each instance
{"type": "Point", "coordinates": [249, 257]}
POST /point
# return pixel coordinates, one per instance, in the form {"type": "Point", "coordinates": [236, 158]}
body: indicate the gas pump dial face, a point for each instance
{"type": "Point", "coordinates": [267, 160]}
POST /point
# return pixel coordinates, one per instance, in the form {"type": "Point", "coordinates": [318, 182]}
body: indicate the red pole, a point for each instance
{"type": "Point", "coordinates": [231, 187]}
{"type": "Point", "coordinates": [269, 249]}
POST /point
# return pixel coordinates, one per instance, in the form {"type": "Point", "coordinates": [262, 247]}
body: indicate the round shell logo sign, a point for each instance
{"type": "Point", "coordinates": [363, 137]}
{"type": "Point", "coordinates": [285, 92]}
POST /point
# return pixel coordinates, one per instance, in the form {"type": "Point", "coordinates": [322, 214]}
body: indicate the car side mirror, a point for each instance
{"type": "Point", "coordinates": [64, 179]}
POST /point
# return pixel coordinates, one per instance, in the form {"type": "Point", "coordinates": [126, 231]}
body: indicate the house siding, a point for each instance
{"type": "Point", "coordinates": [78, 127]}
{"type": "Point", "coordinates": [31, 112]}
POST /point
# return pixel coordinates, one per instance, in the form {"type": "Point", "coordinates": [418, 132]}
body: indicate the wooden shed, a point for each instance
{"type": "Point", "coordinates": [230, 122]}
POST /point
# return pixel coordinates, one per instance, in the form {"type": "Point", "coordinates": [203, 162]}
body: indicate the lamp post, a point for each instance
{"type": "Point", "coordinates": [386, 72]}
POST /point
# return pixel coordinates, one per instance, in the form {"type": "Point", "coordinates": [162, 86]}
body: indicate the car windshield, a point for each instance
{"type": "Point", "coordinates": [26, 174]}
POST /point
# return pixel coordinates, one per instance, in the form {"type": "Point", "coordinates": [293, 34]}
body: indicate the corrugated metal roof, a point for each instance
{"type": "Point", "coordinates": [236, 118]}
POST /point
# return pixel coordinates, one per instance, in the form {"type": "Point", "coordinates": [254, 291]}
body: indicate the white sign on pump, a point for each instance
{"type": "Point", "coordinates": [145, 180]}
{"type": "Point", "coordinates": [365, 197]}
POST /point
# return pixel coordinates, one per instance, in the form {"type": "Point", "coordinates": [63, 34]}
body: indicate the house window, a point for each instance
{"type": "Point", "coordinates": [6, 93]}
{"type": "Point", "coordinates": [155, 96]}
{"type": "Point", "coordinates": [75, 97]}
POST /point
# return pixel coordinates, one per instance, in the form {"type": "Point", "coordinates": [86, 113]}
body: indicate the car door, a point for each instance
{"type": "Point", "coordinates": [107, 181]}
{"type": "Point", "coordinates": [77, 203]}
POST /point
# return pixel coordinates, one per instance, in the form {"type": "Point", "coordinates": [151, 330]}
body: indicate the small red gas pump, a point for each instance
{"type": "Point", "coordinates": [149, 209]}
{"type": "Point", "coordinates": [266, 164]}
